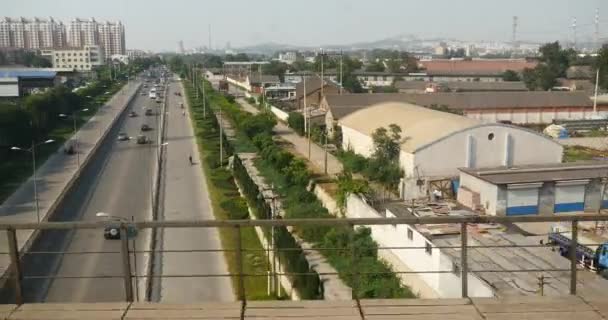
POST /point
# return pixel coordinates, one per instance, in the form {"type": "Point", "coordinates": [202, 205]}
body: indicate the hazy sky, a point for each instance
{"type": "Point", "coordinates": [158, 25]}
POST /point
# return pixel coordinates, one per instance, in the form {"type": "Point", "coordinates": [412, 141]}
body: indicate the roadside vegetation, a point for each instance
{"type": "Point", "coordinates": [37, 117]}
{"type": "Point", "coordinates": [580, 153]}
{"type": "Point", "coordinates": [354, 254]}
{"type": "Point", "coordinates": [225, 198]}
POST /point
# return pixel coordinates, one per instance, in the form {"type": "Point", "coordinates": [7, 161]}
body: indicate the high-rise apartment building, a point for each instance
{"type": "Point", "coordinates": [108, 35]}
{"type": "Point", "coordinates": [50, 34]}
{"type": "Point", "coordinates": [112, 38]}
{"type": "Point", "coordinates": [32, 33]}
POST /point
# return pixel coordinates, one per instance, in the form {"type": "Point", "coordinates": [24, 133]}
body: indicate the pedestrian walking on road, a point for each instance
{"type": "Point", "coordinates": [190, 158]}
{"type": "Point", "coordinates": [184, 113]}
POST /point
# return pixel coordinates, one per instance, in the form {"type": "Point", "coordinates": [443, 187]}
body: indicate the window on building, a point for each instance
{"type": "Point", "coordinates": [428, 248]}
{"type": "Point", "coordinates": [456, 268]}
{"type": "Point", "coordinates": [410, 234]}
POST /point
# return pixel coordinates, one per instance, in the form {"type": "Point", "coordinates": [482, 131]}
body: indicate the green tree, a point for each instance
{"type": "Point", "coordinates": [510, 75]}
{"type": "Point", "coordinates": [261, 123]}
{"type": "Point", "coordinates": [377, 66]}
{"type": "Point", "coordinates": [276, 68]}
{"type": "Point", "coordinates": [601, 63]}
{"type": "Point", "coordinates": [348, 185]}
{"type": "Point", "coordinates": [296, 122]}
{"type": "Point", "coordinates": [546, 77]}
{"type": "Point", "coordinates": [529, 78]}
{"type": "Point", "coordinates": [387, 142]}
{"type": "Point", "coordinates": [556, 58]}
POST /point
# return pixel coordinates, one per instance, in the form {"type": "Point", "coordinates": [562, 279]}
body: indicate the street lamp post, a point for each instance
{"type": "Point", "coordinates": [123, 219]}
{"type": "Point", "coordinates": [74, 113]}
{"type": "Point", "coordinates": [32, 150]}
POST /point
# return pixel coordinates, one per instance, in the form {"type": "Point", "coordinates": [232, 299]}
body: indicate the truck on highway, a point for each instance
{"type": "Point", "coordinates": [591, 252]}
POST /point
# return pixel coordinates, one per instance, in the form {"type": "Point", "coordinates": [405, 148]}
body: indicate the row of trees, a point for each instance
{"type": "Point", "coordinates": [555, 61]}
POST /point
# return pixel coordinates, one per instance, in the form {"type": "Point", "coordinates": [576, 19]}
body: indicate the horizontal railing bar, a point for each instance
{"type": "Point", "coordinates": [72, 252]}
{"type": "Point", "coordinates": [288, 274]}
{"type": "Point", "coordinates": [300, 249]}
{"type": "Point", "coordinates": [306, 222]}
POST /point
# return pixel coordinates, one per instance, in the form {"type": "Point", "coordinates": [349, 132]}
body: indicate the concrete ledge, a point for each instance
{"type": "Point", "coordinates": [510, 308]}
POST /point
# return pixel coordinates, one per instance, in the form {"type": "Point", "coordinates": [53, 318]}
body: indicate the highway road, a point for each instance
{"type": "Point", "coordinates": [185, 197]}
{"type": "Point", "coordinates": [118, 181]}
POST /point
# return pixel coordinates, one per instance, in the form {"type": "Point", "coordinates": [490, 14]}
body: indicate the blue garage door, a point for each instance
{"type": "Point", "coordinates": [569, 198]}
{"type": "Point", "coordinates": [522, 202]}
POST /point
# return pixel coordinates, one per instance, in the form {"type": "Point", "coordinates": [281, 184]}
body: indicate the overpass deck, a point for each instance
{"type": "Point", "coordinates": [567, 307]}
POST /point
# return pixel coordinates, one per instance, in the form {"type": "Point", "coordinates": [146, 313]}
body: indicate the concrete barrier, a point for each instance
{"type": "Point", "coordinates": [31, 235]}
{"type": "Point", "coordinates": [279, 113]}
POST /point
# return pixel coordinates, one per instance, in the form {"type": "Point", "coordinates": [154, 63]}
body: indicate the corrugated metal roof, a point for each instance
{"type": "Point", "coordinates": [468, 100]}
{"type": "Point", "coordinates": [24, 73]}
{"type": "Point", "coordinates": [540, 173]}
{"type": "Point", "coordinates": [420, 126]}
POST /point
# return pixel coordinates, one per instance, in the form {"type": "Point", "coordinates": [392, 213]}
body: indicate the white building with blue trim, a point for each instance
{"type": "Point", "coordinates": [435, 144]}
{"type": "Point", "coordinates": [544, 189]}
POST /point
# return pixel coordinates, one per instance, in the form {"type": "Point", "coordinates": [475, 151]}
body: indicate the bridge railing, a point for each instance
{"type": "Point", "coordinates": [128, 275]}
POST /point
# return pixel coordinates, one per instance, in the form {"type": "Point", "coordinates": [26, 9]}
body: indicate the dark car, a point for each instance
{"type": "Point", "coordinates": [132, 114]}
{"type": "Point", "coordinates": [111, 232]}
{"type": "Point", "coordinates": [123, 136]}
{"type": "Point", "coordinates": [145, 127]}
{"type": "Point", "coordinates": [148, 112]}
{"type": "Point", "coordinates": [141, 139]}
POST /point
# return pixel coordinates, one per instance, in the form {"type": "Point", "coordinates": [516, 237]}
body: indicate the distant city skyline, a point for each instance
{"type": "Point", "coordinates": [158, 26]}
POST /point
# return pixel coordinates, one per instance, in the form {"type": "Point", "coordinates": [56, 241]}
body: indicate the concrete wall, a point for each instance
{"type": "Point", "coordinates": [358, 142]}
{"type": "Point", "coordinates": [484, 146]}
{"type": "Point", "coordinates": [488, 193]}
{"type": "Point", "coordinates": [326, 199]}
{"type": "Point", "coordinates": [279, 113]}
{"type": "Point", "coordinates": [442, 285]}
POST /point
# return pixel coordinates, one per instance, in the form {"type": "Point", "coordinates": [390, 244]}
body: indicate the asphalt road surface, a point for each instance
{"type": "Point", "coordinates": [118, 181]}
{"type": "Point", "coordinates": [185, 197]}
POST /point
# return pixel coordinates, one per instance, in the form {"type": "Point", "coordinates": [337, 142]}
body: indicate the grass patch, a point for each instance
{"type": "Point", "coordinates": [227, 202]}
{"type": "Point", "coordinates": [16, 167]}
{"type": "Point", "coordinates": [580, 153]}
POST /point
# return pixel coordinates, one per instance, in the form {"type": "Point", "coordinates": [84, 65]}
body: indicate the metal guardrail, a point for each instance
{"type": "Point", "coordinates": [128, 275]}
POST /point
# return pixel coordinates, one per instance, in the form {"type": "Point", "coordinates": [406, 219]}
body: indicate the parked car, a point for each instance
{"type": "Point", "coordinates": [123, 136]}
{"type": "Point", "coordinates": [142, 139]}
{"type": "Point", "coordinates": [145, 127]}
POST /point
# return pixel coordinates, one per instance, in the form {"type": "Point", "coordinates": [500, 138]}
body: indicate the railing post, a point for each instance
{"type": "Point", "coordinates": [239, 265]}
{"type": "Point", "coordinates": [126, 263]}
{"type": "Point", "coordinates": [464, 266]}
{"type": "Point", "coordinates": [15, 263]}
{"type": "Point", "coordinates": [573, 257]}
{"type": "Point", "coordinates": [354, 268]}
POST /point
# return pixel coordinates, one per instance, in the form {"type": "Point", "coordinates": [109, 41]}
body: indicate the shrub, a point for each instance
{"type": "Point", "coordinates": [296, 122]}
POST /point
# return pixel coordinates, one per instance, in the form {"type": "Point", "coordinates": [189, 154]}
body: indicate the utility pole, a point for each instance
{"type": "Point", "coordinates": [305, 114]}
{"type": "Point", "coordinates": [221, 137]}
{"type": "Point", "coordinates": [209, 34]}
{"type": "Point", "coordinates": [597, 29]}
{"type": "Point", "coordinates": [514, 35]}
{"type": "Point", "coordinates": [322, 77]}
{"type": "Point", "coordinates": [341, 56]}
{"type": "Point", "coordinates": [597, 80]}
{"type": "Point", "coordinates": [204, 99]}
{"type": "Point", "coordinates": [574, 33]}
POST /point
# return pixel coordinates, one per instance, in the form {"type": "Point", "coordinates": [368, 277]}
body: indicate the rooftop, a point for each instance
{"type": "Point", "coordinates": [540, 173]}
{"type": "Point", "coordinates": [420, 126]}
{"type": "Point", "coordinates": [500, 264]}
{"type": "Point", "coordinates": [465, 100]}
{"type": "Point", "coordinates": [481, 67]}
{"type": "Point", "coordinates": [26, 73]}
